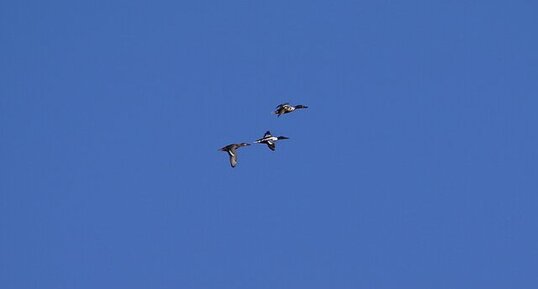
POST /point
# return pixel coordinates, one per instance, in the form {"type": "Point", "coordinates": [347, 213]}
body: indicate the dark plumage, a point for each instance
{"type": "Point", "coordinates": [270, 140]}
{"type": "Point", "coordinates": [230, 149]}
{"type": "Point", "coordinates": [287, 108]}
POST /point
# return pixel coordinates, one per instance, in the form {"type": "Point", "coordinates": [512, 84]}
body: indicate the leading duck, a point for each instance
{"type": "Point", "coordinates": [284, 108]}
{"type": "Point", "coordinates": [270, 140]}
{"type": "Point", "coordinates": [230, 149]}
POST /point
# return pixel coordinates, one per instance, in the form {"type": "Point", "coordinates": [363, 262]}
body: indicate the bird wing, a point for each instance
{"type": "Point", "coordinates": [271, 145]}
{"type": "Point", "coordinates": [233, 157]}
{"type": "Point", "coordinates": [267, 134]}
{"type": "Point", "coordinates": [231, 152]}
{"type": "Point", "coordinates": [282, 104]}
{"type": "Point", "coordinates": [233, 160]}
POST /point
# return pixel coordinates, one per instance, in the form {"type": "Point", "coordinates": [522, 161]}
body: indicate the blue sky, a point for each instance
{"type": "Point", "coordinates": [415, 165]}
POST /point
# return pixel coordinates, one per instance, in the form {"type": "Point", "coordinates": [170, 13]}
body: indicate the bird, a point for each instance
{"type": "Point", "coordinates": [230, 149]}
{"type": "Point", "coordinates": [284, 108]}
{"type": "Point", "coordinates": [270, 140]}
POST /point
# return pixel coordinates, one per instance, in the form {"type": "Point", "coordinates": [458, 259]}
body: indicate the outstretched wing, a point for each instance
{"type": "Point", "coordinates": [271, 145]}
{"type": "Point", "coordinates": [233, 161]}
{"type": "Point", "coordinates": [233, 158]}
{"type": "Point", "coordinates": [281, 105]}
{"type": "Point", "coordinates": [267, 134]}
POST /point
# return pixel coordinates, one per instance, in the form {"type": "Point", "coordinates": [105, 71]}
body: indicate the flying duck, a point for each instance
{"type": "Point", "coordinates": [270, 140]}
{"type": "Point", "coordinates": [287, 108]}
{"type": "Point", "coordinates": [230, 149]}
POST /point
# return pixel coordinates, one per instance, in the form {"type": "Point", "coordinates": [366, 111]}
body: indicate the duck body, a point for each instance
{"type": "Point", "coordinates": [231, 150]}
{"type": "Point", "coordinates": [284, 108]}
{"type": "Point", "coordinates": [270, 140]}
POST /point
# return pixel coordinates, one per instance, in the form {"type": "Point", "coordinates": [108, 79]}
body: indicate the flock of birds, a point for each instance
{"type": "Point", "coordinates": [267, 138]}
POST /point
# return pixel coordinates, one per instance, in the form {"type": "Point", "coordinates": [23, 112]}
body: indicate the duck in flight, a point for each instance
{"type": "Point", "coordinates": [284, 108]}
{"type": "Point", "coordinates": [270, 140]}
{"type": "Point", "coordinates": [231, 150]}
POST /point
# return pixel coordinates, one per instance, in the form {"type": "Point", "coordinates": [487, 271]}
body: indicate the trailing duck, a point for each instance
{"type": "Point", "coordinates": [231, 150]}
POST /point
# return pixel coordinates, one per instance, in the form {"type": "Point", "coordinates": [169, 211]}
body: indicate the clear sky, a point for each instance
{"type": "Point", "coordinates": [415, 165]}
